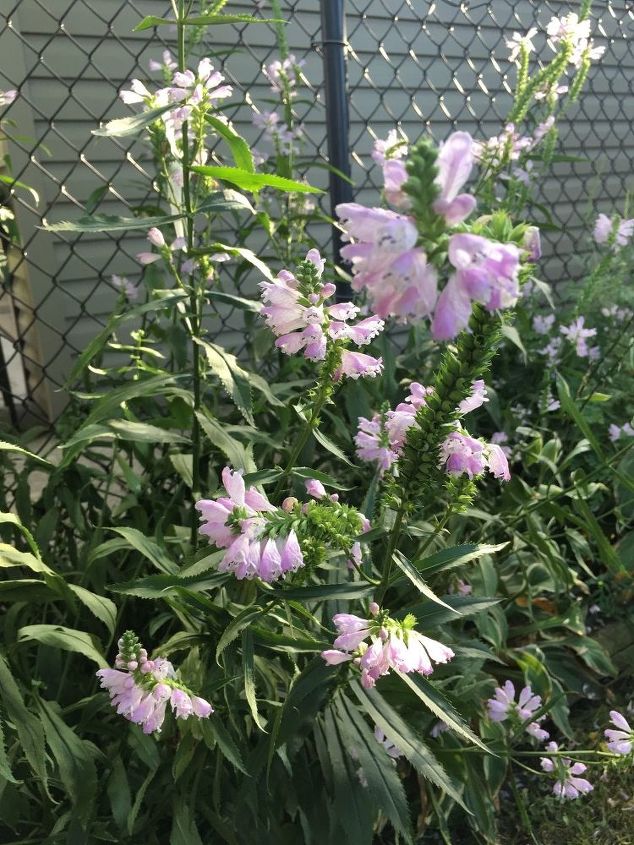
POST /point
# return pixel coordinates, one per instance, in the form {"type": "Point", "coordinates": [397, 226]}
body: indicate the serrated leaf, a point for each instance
{"type": "Point", "coordinates": [445, 559]}
{"type": "Point", "coordinates": [249, 676]}
{"type": "Point", "coordinates": [327, 443]}
{"type": "Point", "coordinates": [306, 473]}
{"type": "Point", "coordinates": [435, 701]}
{"type": "Point", "coordinates": [73, 758]}
{"type": "Point", "coordinates": [123, 430]}
{"type": "Point", "coordinates": [236, 626]}
{"type": "Point", "coordinates": [27, 724]}
{"type": "Point", "coordinates": [254, 182]}
{"type": "Point", "coordinates": [201, 20]}
{"type": "Point", "coordinates": [239, 457]}
{"type": "Point", "coordinates": [408, 743]}
{"type": "Point", "coordinates": [68, 639]}
{"type": "Point", "coordinates": [161, 586]}
{"type": "Point", "coordinates": [5, 767]}
{"type": "Point", "coordinates": [184, 830]}
{"type": "Point", "coordinates": [15, 183]}
{"type": "Point", "coordinates": [12, 557]}
{"type": "Point", "coordinates": [12, 447]}
{"type": "Point", "coordinates": [215, 733]}
{"type": "Point", "coordinates": [415, 577]}
{"type": "Point", "coordinates": [240, 150]}
{"type": "Point", "coordinates": [148, 548]}
{"type": "Point", "coordinates": [383, 782]}
{"type": "Point", "coordinates": [512, 334]}
{"type": "Point", "coordinates": [12, 519]}
{"type": "Point", "coordinates": [103, 608]}
{"type": "Point", "coordinates": [124, 126]}
{"type": "Point", "coordinates": [320, 592]}
{"type": "Point", "coordinates": [233, 378]}
{"type": "Point", "coordinates": [429, 614]}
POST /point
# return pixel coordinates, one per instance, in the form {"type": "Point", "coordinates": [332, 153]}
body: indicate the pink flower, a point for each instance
{"type": "Point", "coordinates": [357, 364]}
{"type": "Point", "coordinates": [148, 257]}
{"type": "Point", "coordinates": [477, 398]}
{"type": "Point", "coordinates": [372, 442]}
{"type": "Point", "coordinates": [576, 333]}
{"type": "Point", "coordinates": [315, 488]}
{"type": "Point", "coordinates": [386, 262]}
{"type": "Point", "coordinates": [438, 728]}
{"type": "Point", "coordinates": [503, 706]}
{"type": "Point", "coordinates": [455, 161]}
{"type": "Point", "coordinates": [461, 453]}
{"type": "Point", "coordinates": [543, 324]}
{"type": "Point", "coordinates": [138, 93]}
{"type": "Point", "coordinates": [155, 237]}
{"type": "Point", "coordinates": [394, 147]}
{"type": "Point", "coordinates": [7, 97]}
{"type": "Point", "coordinates": [168, 63]}
{"type": "Point", "coordinates": [568, 784]}
{"type": "Point", "coordinates": [126, 287]}
{"type": "Point", "coordinates": [621, 741]}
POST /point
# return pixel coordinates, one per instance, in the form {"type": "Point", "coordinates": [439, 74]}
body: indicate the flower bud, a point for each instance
{"type": "Point", "coordinates": [289, 503]}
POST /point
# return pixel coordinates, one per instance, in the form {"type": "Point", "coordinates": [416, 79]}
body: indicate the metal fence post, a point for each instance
{"type": "Point", "coordinates": [337, 116]}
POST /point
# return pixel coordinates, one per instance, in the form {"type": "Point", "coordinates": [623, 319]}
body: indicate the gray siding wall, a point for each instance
{"type": "Point", "coordinates": [429, 67]}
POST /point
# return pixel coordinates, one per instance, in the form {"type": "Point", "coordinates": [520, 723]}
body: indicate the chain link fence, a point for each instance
{"type": "Point", "coordinates": [426, 67]}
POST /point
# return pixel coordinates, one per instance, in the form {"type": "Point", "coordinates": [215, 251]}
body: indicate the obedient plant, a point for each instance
{"type": "Point", "coordinates": [387, 644]}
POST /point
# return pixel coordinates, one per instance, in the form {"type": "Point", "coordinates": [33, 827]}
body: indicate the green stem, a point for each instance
{"type": "Point", "coordinates": [194, 299]}
{"type": "Point", "coordinates": [395, 536]}
{"type": "Point", "coordinates": [521, 806]}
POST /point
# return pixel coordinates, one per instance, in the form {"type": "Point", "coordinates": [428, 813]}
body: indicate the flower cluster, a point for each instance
{"type": "Point", "coordinates": [140, 689]}
{"type": "Point", "coordinates": [393, 644]}
{"type": "Point", "coordinates": [486, 272]}
{"type": "Point", "coordinates": [238, 524]}
{"type": "Point", "coordinates": [381, 439]}
{"type": "Point", "coordinates": [296, 312]}
{"type": "Point", "coordinates": [503, 706]}
{"type": "Point", "coordinates": [568, 784]}
{"type": "Point", "coordinates": [613, 231]}
{"type": "Point", "coordinates": [621, 740]}
{"type": "Point", "coordinates": [460, 453]}
{"type": "Point", "coordinates": [277, 132]}
{"type": "Point", "coordinates": [575, 34]}
{"type": "Point", "coordinates": [189, 94]}
{"type": "Point", "coordinates": [284, 75]}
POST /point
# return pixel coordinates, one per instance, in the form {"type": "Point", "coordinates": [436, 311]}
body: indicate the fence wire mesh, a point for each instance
{"type": "Point", "coordinates": [423, 67]}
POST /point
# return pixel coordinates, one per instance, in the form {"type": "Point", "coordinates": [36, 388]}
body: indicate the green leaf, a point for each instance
{"type": "Point", "coordinates": [249, 677]}
{"type": "Point", "coordinates": [236, 626]}
{"type": "Point", "coordinates": [215, 733]}
{"type": "Point", "coordinates": [123, 430]}
{"type": "Point", "coordinates": [327, 443]}
{"type": "Point", "coordinates": [607, 552]}
{"type": "Point", "coordinates": [201, 20]}
{"type": "Point", "coordinates": [118, 790]}
{"type": "Point", "coordinates": [352, 805]}
{"type": "Point", "coordinates": [569, 406]}
{"type": "Point", "coordinates": [184, 830]}
{"type": "Point", "coordinates": [12, 447]}
{"type": "Point", "coordinates": [414, 576]}
{"type": "Point", "coordinates": [103, 608]}
{"type": "Point", "coordinates": [68, 639]}
{"type": "Point", "coordinates": [239, 457]}
{"type": "Point", "coordinates": [254, 181]}
{"type": "Point", "coordinates": [15, 183]}
{"type": "Point", "coordinates": [240, 150]}
{"type": "Point", "coordinates": [384, 785]}
{"type": "Point", "coordinates": [27, 724]}
{"type": "Point", "coordinates": [132, 125]}
{"type": "Point", "coordinates": [435, 701]}
{"type": "Point", "coordinates": [12, 557]}
{"type": "Point", "coordinates": [12, 519]}
{"type": "Point", "coordinates": [149, 549]}
{"type": "Point", "coordinates": [113, 223]}
{"type": "Point", "coordinates": [73, 758]}
{"type": "Point", "coordinates": [320, 592]}
{"type": "Point", "coordinates": [307, 694]}
{"type": "Point", "coordinates": [306, 473]}
{"type": "Point", "coordinates": [409, 743]}
{"type": "Point", "coordinates": [454, 556]}
{"type": "Point", "coordinates": [429, 614]}
{"type": "Point", "coordinates": [161, 586]}
{"type": "Point", "coordinates": [253, 259]}
{"type": "Point", "coordinates": [162, 300]}
{"type": "Point", "coordinates": [5, 766]}
{"type": "Point", "coordinates": [233, 378]}
{"type": "Point", "coordinates": [240, 302]}
{"type": "Point", "coordinates": [512, 334]}
{"type": "Point", "coordinates": [26, 590]}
